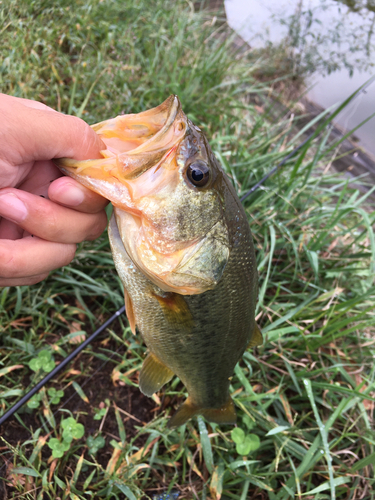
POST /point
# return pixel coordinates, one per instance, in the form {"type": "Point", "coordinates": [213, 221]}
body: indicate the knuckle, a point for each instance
{"type": "Point", "coordinates": [33, 280]}
{"type": "Point", "coordinates": [98, 226]}
{"type": "Point", "coordinates": [51, 226]}
{"type": "Point", "coordinates": [12, 262]}
{"type": "Point", "coordinates": [70, 250]}
{"type": "Point", "coordinates": [87, 136]}
{"type": "Point", "coordinates": [9, 266]}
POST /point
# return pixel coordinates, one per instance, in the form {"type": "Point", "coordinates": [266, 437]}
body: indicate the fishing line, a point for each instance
{"type": "Point", "coordinates": [275, 169]}
{"type": "Point", "coordinates": [359, 92]}
{"type": "Point", "coordinates": [120, 311]}
{"type": "Point", "coordinates": [87, 381]}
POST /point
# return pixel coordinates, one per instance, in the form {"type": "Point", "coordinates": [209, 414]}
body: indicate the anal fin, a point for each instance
{"type": "Point", "coordinates": [154, 374]}
{"type": "Point", "coordinates": [257, 337]}
{"type": "Point", "coordinates": [226, 414]}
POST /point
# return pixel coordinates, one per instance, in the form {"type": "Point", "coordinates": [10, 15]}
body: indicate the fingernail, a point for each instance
{"type": "Point", "coordinates": [71, 195]}
{"type": "Point", "coordinates": [12, 208]}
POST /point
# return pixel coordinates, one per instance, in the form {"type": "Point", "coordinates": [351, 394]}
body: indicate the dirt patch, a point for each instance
{"type": "Point", "coordinates": [135, 408]}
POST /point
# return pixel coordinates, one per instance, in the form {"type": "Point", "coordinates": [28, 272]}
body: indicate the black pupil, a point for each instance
{"type": "Point", "coordinates": [198, 173]}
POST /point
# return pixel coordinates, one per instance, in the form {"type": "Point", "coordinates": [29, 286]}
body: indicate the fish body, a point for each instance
{"type": "Point", "coordinates": [183, 250]}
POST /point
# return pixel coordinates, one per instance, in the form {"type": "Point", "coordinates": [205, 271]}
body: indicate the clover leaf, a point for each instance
{"type": "Point", "coordinates": [72, 429]}
{"type": "Point", "coordinates": [237, 435]}
{"type": "Point", "coordinates": [44, 361]}
{"type": "Point", "coordinates": [244, 443]}
{"type": "Point", "coordinates": [244, 448]}
{"type": "Point", "coordinates": [34, 401]}
{"type": "Point", "coordinates": [94, 444]}
{"type": "Point", "coordinates": [58, 447]}
{"type": "Point", "coordinates": [99, 413]}
{"type": "Point", "coordinates": [55, 395]}
{"type": "Point", "coordinates": [254, 441]}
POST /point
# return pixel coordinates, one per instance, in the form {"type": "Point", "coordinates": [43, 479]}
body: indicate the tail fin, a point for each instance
{"type": "Point", "coordinates": [224, 415]}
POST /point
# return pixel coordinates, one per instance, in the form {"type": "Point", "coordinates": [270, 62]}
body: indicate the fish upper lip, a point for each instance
{"type": "Point", "coordinates": [174, 109]}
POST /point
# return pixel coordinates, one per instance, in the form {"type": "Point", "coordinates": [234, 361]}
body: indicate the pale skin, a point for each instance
{"type": "Point", "coordinates": [43, 215]}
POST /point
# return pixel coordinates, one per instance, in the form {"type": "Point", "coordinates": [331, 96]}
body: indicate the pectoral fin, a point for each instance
{"type": "Point", "coordinates": [176, 310]}
{"type": "Point", "coordinates": [223, 415]}
{"type": "Point", "coordinates": [129, 311]}
{"type": "Point", "coordinates": [256, 338]}
{"type": "Point", "coordinates": [154, 374]}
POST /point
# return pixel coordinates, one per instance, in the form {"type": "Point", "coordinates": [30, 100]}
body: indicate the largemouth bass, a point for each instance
{"type": "Point", "coordinates": [183, 250]}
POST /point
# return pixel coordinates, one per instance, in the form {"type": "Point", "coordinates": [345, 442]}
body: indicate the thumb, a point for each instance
{"type": "Point", "coordinates": [29, 133]}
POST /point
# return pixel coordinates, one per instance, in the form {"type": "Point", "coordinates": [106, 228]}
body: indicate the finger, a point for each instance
{"type": "Point", "coordinates": [69, 192]}
{"type": "Point", "coordinates": [46, 180]}
{"type": "Point", "coordinates": [29, 280]}
{"type": "Point", "coordinates": [32, 256]}
{"type": "Point", "coordinates": [48, 220]}
{"type": "Point", "coordinates": [26, 102]}
{"type": "Point", "coordinates": [39, 178]}
{"type": "Point", "coordinates": [9, 230]}
{"type": "Point", "coordinates": [30, 134]}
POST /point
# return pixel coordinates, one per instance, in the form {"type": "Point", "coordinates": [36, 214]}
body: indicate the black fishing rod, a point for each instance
{"type": "Point", "coordinates": [59, 367]}
{"type": "Point", "coordinates": [120, 311]}
{"type": "Point", "coordinates": [275, 169]}
{"type": "Point", "coordinates": [313, 135]}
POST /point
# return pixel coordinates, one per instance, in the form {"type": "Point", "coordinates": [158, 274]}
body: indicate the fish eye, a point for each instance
{"type": "Point", "coordinates": [198, 173]}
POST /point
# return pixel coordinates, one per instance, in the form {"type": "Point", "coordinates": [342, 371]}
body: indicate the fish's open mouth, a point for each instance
{"type": "Point", "coordinates": [135, 143]}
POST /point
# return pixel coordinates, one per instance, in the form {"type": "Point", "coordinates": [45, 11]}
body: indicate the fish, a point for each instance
{"type": "Point", "coordinates": [183, 250]}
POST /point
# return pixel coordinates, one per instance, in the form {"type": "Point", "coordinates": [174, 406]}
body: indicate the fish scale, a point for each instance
{"type": "Point", "coordinates": [183, 250]}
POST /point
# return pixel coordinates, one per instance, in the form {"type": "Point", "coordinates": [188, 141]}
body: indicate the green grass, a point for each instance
{"type": "Point", "coordinates": [308, 393]}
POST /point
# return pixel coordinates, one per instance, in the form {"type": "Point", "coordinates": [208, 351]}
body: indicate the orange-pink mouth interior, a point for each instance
{"type": "Point", "coordinates": [130, 132]}
{"type": "Point", "coordinates": [137, 146]}
{"type": "Point", "coordinates": [135, 143]}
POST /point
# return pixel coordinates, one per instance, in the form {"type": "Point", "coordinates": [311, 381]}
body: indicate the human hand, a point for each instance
{"type": "Point", "coordinates": [42, 214]}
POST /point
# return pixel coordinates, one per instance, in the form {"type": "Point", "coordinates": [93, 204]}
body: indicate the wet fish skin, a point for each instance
{"type": "Point", "coordinates": [198, 319]}
{"type": "Point", "coordinates": [203, 345]}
